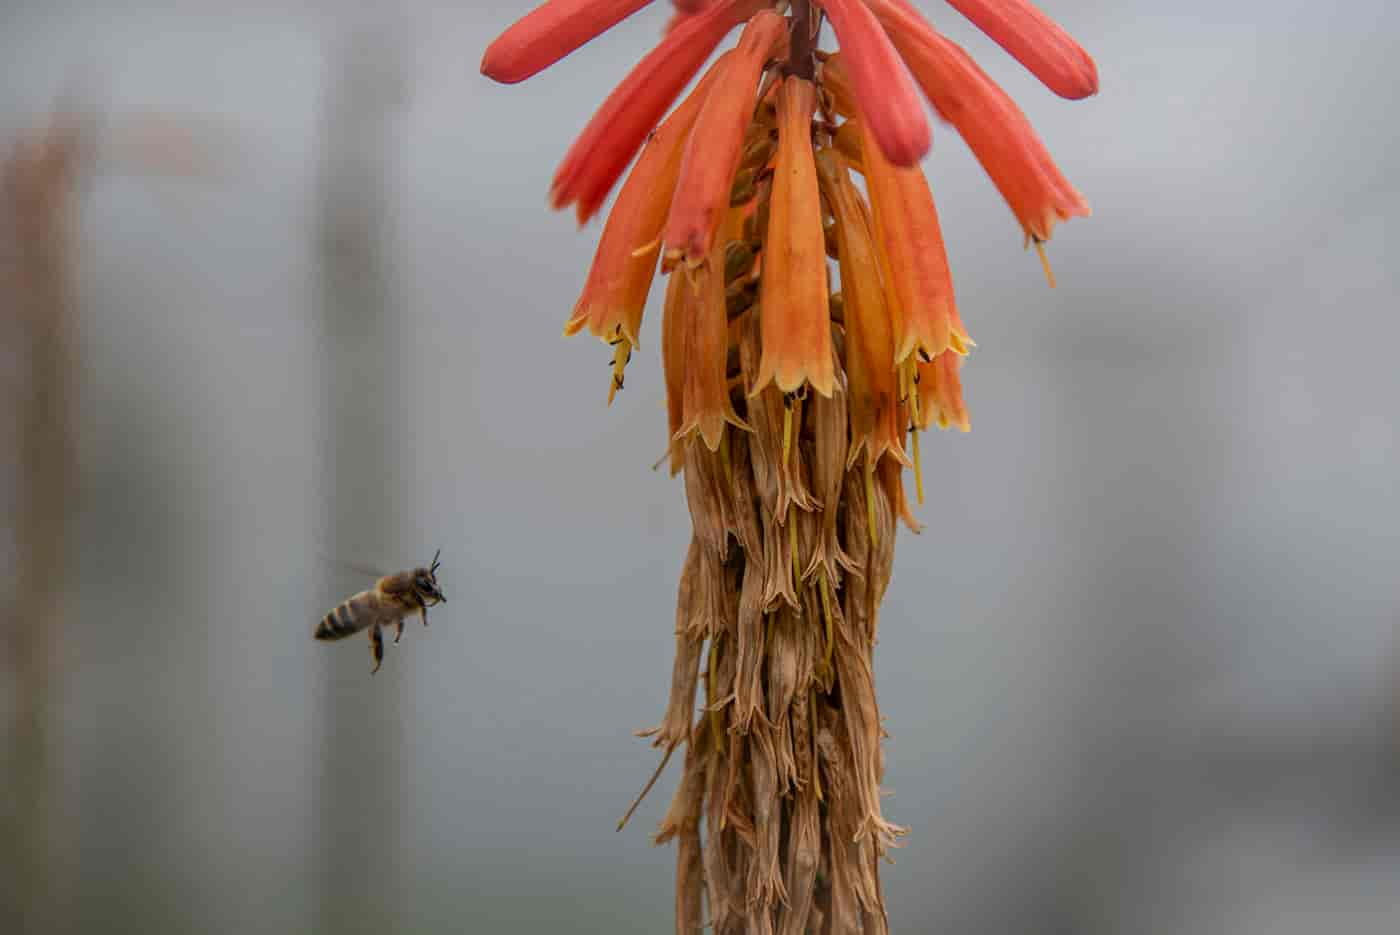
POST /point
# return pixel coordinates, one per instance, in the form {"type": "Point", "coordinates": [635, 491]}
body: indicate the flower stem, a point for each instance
{"type": "Point", "coordinates": [801, 62]}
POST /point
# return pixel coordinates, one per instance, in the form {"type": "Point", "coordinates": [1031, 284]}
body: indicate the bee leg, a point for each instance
{"type": "Point", "coordinates": [423, 613]}
{"type": "Point", "coordinates": [398, 630]}
{"type": "Point", "coordinates": [376, 647]}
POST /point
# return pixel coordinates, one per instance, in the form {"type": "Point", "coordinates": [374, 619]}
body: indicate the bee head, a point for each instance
{"type": "Point", "coordinates": [425, 580]}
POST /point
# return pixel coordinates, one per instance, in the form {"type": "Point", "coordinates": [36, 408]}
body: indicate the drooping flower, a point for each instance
{"type": "Point", "coordinates": [912, 256]}
{"type": "Point", "coordinates": [796, 323]}
{"type": "Point", "coordinates": [870, 368]}
{"type": "Point", "coordinates": [990, 122]}
{"type": "Point", "coordinates": [793, 411]}
{"type": "Point", "coordinates": [712, 155]}
{"type": "Point", "coordinates": [706, 406]}
{"type": "Point", "coordinates": [615, 293]}
{"type": "Point", "coordinates": [882, 86]}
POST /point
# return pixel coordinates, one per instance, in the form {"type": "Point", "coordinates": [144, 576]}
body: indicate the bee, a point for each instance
{"type": "Point", "coordinates": [392, 598]}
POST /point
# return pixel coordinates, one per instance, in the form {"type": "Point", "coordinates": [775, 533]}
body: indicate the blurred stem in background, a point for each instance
{"type": "Point", "coordinates": [38, 182]}
{"type": "Point", "coordinates": [359, 776]}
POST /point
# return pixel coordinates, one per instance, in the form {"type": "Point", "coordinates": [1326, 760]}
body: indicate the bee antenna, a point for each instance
{"type": "Point", "coordinates": [434, 568]}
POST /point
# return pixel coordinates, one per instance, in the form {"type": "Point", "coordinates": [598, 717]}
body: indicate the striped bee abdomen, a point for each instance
{"type": "Point", "coordinates": [350, 617]}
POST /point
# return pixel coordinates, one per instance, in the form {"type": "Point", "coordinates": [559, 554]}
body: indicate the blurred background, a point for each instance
{"type": "Point", "coordinates": [1141, 671]}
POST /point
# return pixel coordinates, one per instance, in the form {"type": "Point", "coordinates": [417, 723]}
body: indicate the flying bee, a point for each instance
{"type": "Point", "coordinates": [392, 598]}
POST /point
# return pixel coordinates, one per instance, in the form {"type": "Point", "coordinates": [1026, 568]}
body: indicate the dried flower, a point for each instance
{"type": "Point", "coordinates": [788, 405]}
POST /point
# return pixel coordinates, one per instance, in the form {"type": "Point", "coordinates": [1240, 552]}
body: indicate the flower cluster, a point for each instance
{"type": "Point", "coordinates": [810, 332]}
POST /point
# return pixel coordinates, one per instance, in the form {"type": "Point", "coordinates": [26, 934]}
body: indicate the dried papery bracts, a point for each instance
{"type": "Point", "coordinates": [810, 332]}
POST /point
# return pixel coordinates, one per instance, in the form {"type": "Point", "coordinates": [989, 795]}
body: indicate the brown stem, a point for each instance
{"type": "Point", "coordinates": [801, 61]}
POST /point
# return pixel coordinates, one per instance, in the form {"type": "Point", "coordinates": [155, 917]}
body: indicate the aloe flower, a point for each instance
{"type": "Point", "coordinates": [810, 332]}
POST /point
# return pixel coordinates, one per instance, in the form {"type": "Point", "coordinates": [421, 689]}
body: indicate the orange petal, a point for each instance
{"type": "Point", "coordinates": [712, 154]}
{"type": "Point", "coordinates": [1036, 41]}
{"type": "Point", "coordinates": [940, 393]}
{"type": "Point", "coordinates": [548, 33]}
{"type": "Point", "coordinates": [615, 294]}
{"type": "Point", "coordinates": [793, 300]}
{"type": "Point", "coordinates": [910, 244]}
{"type": "Point", "coordinates": [870, 372]}
{"type": "Point", "coordinates": [991, 123]}
{"type": "Point", "coordinates": [883, 91]}
{"type": "Point", "coordinates": [592, 165]}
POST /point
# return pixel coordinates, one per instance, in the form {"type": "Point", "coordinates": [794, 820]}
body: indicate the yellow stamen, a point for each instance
{"type": "Point", "coordinates": [870, 500]}
{"type": "Point", "coordinates": [918, 470]}
{"type": "Point", "coordinates": [787, 429]}
{"type": "Point", "coordinates": [622, 353]}
{"type": "Point", "coordinates": [1044, 261]}
{"type": "Point", "coordinates": [914, 426]}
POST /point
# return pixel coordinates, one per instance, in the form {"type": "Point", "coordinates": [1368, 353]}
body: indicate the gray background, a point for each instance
{"type": "Point", "coordinates": [1139, 670]}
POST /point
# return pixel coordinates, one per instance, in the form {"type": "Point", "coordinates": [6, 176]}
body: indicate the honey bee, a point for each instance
{"type": "Point", "coordinates": [392, 598]}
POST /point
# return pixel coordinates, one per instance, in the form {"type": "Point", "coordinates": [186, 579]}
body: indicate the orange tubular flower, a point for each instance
{"type": "Point", "coordinates": [705, 402]}
{"type": "Point", "coordinates": [615, 294]}
{"type": "Point", "coordinates": [712, 156]}
{"type": "Point", "coordinates": [883, 91]}
{"type": "Point", "coordinates": [620, 126]}
{"type": "Point", "coordinates": [793, 307]}
{"type": "Point", "coordinates": [1035, 41]}
{"type": "Point", "coordinates": [870, 373]}
{"type": "Point", "coordinates": [992, 125]}
{"type": "Point", "coordinates": [920, 286]}
{"type": "Point", "coordinates": [550, 32]}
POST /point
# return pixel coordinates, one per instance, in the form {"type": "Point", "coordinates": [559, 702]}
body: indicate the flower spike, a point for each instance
{"type": "Point", "coordinates": [880, 83]}
{"type": "Point", "coordinates": [548, 33]}
{"type": "Point", "coordinates": [793, 413]}
{"type": "Point", "coordinates": [1036, 41]}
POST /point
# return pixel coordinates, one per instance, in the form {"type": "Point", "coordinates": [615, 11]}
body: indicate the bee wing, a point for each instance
{"type": "Point", "coordinates": [368, 570]}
